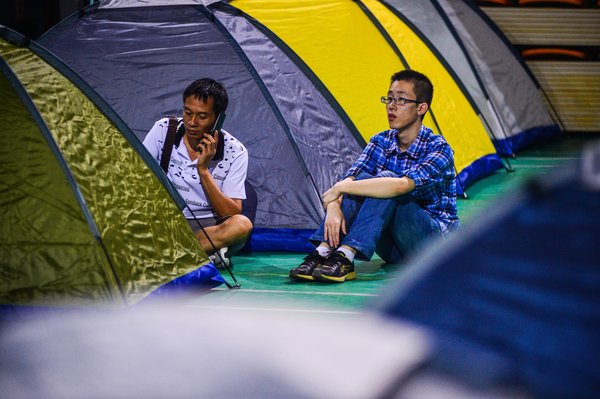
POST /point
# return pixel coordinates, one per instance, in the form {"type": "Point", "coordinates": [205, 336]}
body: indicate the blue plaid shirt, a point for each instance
{"type": "Point", "coordinates": [429, 162]}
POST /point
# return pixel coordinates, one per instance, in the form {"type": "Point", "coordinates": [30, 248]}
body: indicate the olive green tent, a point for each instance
{"type": "Point", "coordinates": [84, 219]}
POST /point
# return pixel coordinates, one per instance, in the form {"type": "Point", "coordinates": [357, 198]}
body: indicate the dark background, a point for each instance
{"type": "Point", "coordinates": [34, 17]}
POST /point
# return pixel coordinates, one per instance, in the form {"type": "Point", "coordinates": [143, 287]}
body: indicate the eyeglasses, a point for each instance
{"type": "Point", "coordinates": [398, 100]}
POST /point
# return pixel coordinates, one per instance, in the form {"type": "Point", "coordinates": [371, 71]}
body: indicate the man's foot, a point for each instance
{"type": "Point", "coordinates": [223, 261]}
{"type": "Point", "coordinates": [306, 268]}
{"type": "Point", "coordinates": [336, 269]}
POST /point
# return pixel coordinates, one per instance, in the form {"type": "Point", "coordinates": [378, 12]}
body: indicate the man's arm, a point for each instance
{"type": "Point", "coordinates": [429, 171]}
{"type": "Point", "coordinates": [379, 187]}
{"type": "Point", "coordinates": [221, 203]}
{"type": "Point", "coordinates": [334, 223]}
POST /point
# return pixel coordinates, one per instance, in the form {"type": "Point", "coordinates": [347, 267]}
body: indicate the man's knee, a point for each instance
{"type": "Point", "coordinates": [242, 224]}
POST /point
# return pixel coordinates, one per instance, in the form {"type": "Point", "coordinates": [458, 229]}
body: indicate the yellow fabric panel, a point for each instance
{"type": "Point", "coordinates": [47, 254]}
{"type": "Point", "coordinates": [147, 238]}
{"type": "Point", "coordinates": [353, 60]}
{"type": "Point", "coordinates": [459, 123]}
{"type": "Point", "coordinates": [341, 46]}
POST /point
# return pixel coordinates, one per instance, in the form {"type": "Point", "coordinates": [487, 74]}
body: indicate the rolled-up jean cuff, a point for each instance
{"type": "Point", "coordinates": [316, 239]}
{"type": "Point", "coordinates": [360, 252]}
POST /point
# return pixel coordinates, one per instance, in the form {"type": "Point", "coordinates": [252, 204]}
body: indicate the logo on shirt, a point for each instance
{"type": "Point", "coordinates": [181, 188]}
{"type": "Point", "coordinates": [197, 203]}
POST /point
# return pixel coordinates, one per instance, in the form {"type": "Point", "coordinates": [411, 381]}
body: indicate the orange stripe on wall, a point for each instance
{"type": "Point", "coordinates": [553, 51]}
{"type": "Point", "coordinates": [566, 2]}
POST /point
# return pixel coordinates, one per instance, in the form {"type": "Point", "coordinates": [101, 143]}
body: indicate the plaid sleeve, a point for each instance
{"type": "Point", "coordinates": [372, 156]}
{"type": "Point", "coordinates": [433, 168]}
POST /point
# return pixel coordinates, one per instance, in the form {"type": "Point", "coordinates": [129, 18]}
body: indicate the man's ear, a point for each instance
{"type": "Point", "coordinates": [422, 108]}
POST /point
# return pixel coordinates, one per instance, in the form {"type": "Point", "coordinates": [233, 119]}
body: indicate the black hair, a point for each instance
{"type": "Point", "coordinates": [422, 85]}
{"type": "Point", "coordinates": [205, 88]}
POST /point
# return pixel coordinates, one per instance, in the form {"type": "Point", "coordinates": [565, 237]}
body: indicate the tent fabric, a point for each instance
{"type": "Point", "coordinates": [297, 143]}
{"type": "Point", "coordinates": [85, 221]}
{"type": "Point", "coordinates": [521, 284]}
{"type": "Point", "coordinates": [465, 132]}
{"type": "Point", "coordinates": [511, 87]}
{"type": "Point", "coordinates": [496, 79]}
{"type": "Point", "coordinates": [344, 31]}
{"type": "Point", "coordinates": [37, 202]}
{"type": "Point", "coordinates": [304, 81]}
{"type": "Point", "coordinates": [432, 28]}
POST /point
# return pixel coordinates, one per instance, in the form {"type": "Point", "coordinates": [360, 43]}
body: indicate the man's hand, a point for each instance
{"type": "Point", "coordinates": [207, 149]}
{"type": "Point", "coordinates": [334, 224]}
{"type": "Point", "coordinates": [331, 195]}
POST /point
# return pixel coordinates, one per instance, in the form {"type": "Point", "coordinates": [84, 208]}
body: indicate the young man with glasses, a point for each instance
{"type": "Point", "coordinates": [399, 193]}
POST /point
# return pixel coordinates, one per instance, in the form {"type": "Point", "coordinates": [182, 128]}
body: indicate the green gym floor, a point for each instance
{"type": "Point", "coordinates": [263, 277]}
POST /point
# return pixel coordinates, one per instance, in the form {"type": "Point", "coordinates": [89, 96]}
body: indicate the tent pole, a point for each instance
{"type": "Point", "coordinates": [236, 284]}
{"type": "Point", "coordinates": [461, 44]}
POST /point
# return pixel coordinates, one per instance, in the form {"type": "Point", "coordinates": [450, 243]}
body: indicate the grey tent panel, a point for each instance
{"type": "Point", "coordinates": [325, 142]}
{"type": "Point", "coordinates": [508, 83]}
{"type": "Point", "coordinates": [505, 94]}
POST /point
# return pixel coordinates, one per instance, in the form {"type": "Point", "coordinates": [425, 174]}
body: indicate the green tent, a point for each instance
{"type": "Point", "coordinates": [85, 219]}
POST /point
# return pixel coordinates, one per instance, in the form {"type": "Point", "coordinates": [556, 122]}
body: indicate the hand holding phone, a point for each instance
{"type": "Point", "coordinates": [221, 140]}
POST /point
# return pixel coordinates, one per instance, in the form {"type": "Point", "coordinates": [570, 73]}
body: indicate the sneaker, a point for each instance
{"type": "Point", "coordinates": [223, 261]}
{"type": "Point", "coordinates": [306, 268]}
{"type": "Point", "coordinates": [336, 269]}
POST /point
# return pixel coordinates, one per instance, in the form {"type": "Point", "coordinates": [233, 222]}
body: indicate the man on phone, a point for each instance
{"type": "Point", "coordinates": [211, 184]}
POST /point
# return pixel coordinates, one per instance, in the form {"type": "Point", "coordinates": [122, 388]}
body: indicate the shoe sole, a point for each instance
{"type": "Point", "coordinates": [302, 277]}
{"type": "Point", "coordinates": [331, 279]}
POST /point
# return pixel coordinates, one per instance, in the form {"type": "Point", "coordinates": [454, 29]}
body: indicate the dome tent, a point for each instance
{"type": "Point", "coordinates": [84, 220]}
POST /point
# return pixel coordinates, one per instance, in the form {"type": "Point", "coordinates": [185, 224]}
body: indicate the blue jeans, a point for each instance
{"type": "Point", "coordinates": [392, 227]}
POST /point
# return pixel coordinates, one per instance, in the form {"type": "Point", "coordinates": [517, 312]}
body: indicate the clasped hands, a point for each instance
{"type": "Point", "coordinates": [332, 194]}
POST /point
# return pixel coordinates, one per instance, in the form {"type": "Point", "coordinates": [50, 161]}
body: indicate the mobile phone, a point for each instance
{"type": "Point", "coordinates": [221, 142]}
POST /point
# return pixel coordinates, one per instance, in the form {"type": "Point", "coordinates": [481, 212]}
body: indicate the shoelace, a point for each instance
{"type": "Point", "coordinates": [334, 259]}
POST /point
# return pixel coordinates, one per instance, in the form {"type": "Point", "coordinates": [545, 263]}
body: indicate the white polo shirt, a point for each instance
{"type": "Point", "coordinates": [229, 173]}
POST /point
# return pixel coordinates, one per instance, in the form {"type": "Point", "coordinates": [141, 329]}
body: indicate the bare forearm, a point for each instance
{"type": "Point", "coordinates": [222, 204]}
{"type": "Point", "coordinates": [379, 187]}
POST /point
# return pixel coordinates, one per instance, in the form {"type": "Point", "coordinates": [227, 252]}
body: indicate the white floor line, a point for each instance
{"type": "Point", "coordinates": [536, 166]}
{"type": "Point", "coordinates": [545, 158]}
{"type": "Point", "coordinates": [272, 309]}
{"type": "Point", "coordinates": [297, 292]}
